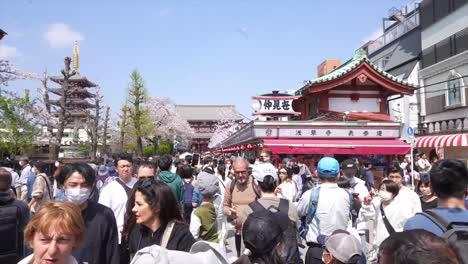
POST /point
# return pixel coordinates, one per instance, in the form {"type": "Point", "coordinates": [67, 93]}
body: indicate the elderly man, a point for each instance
{"type": "Point", "coordinates": [241, 192]}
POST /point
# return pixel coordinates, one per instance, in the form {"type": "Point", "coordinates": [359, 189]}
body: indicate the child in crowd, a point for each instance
{"type": "Point", "coordinates": [203, 224]}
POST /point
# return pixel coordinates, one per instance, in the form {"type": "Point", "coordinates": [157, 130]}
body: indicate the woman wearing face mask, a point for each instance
{"type": "Point", "coordinates": [374, 211]}
{"type": "Point", "coordinates": [428, 198]}
{"type": "Point", "coordinates": [100, 244]}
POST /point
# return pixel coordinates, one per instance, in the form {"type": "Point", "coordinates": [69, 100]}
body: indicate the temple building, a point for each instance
{"type": "Point", "coordinates": [344, 113]}
{"type": "Point", "coordinates": [203, 120]}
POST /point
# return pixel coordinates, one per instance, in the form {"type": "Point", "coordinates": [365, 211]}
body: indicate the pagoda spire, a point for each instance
{"type": "Point", "coordinates": [76, 52]}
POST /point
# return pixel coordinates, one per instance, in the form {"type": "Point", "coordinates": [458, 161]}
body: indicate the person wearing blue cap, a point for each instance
{"type": "Point", "coordinates": [325, 209]}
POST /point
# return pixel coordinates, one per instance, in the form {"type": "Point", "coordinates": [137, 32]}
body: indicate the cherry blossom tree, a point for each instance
{"type": "Point", "coordinates": [223, 129]}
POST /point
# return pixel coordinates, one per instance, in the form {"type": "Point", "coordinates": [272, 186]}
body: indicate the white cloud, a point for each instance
{"type": "Point", "coordinates": [8, 52]}
{"type": "Point", "coordinates": [373, 36]}
{"type": "Point", "coordinates": [60, 35]}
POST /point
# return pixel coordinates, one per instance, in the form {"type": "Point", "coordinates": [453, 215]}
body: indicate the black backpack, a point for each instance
{"type": "Point", "coordinates": [290, 236]}
{"type": "Point", "coordinates": [455, 232]}
{"type": "Point", "coordinates": [11, 236]}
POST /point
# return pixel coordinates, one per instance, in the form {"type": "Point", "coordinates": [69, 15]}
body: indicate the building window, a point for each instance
{"type": "Point", "coordinates": [455, 93]}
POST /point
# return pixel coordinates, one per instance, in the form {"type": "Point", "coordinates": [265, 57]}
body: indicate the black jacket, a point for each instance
{"type": "Point", "coordinates": [100, 244]}
{"type": "Point", "coordinates": [7, 198]}
{"type": "Point", "coordinates": [181, 239]}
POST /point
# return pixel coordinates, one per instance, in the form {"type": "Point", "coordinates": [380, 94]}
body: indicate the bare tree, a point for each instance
{"type": "Point", "coordinates": [60, 111]}
{"type": "Point", "coordinates": [92, 128]}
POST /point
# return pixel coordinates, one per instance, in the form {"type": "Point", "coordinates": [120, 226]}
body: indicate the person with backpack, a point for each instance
{"type": "Point", "coordinates": [115, 195]}
{"type": "Point", "coordinates": [186, 172]}
{"type": "Point", "coordinates": [269, 201]}
{"type": "Point", "coordinates": [42, 189]}
{"type": "Point", "coordinates": [449, 179]}
{"type": "Point", "coordinates": [263, 234]}
{"type": "Point", "coordinates": [203, 224]}
{"type": "Point", "coordinates": [241, 192]}
{"type": "Point", "coordinates": [14, 216]}
{"type": "Point", "coordinates": [325, 208]}
{"type": "Point", "coordinates": [173, 180]}
{"type": "Point", "coordinates": [418, 247]}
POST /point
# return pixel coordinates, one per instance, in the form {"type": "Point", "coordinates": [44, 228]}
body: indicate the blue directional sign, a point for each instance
{"type": "Point", "coordinates": [410, 131]}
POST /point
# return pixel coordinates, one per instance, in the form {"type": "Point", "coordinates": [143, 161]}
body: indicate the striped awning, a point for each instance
{"type": "Point", "coordinates": [454, 140]}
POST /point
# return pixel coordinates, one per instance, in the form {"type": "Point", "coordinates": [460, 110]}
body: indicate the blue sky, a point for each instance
{"type": "Point", "coordinates": [194, 51]}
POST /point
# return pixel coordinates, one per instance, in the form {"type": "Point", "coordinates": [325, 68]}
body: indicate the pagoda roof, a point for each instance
{"type": "Point", "coordinates": [353, 68]}
{"type": "Point", "coordinates": [77, 79]}
{"type": "Point", "coordinates": [208, 112]}
{"type": "Point", "coordinates": [84, 93]}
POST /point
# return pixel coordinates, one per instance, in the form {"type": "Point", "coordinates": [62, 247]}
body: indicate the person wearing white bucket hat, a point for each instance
{"type": "Point", "coordinates": [201, 252]}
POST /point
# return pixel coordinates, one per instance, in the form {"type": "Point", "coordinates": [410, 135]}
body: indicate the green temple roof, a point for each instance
{"type": "Point", "coordinates": [348, 66]}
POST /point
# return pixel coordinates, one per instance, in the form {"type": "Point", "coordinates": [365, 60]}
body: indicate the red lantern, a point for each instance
{"type": "Point", "coordinates": [249, 146]}
{"type": "Point", "coordinates": [242, 147]}
{"type": "Point", "coordinates": [237, 148]}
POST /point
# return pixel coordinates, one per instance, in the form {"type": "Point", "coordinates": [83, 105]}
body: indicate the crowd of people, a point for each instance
{"type": "Point", "coordinates": [179, 210]}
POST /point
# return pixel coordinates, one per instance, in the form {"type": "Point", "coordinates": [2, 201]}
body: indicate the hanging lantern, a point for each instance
{"type": "Point", "coordinates": [249, 146]}
{"type": "Point", "coordinates": [242, 147]}
{"type": "Point", "coordinates": [237, 148]}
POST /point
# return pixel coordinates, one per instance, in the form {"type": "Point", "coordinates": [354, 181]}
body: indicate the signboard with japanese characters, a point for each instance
{"type": "Point", "coordinates": [370, 132]}
{"type": "Point", "coordinates": [274, 104]}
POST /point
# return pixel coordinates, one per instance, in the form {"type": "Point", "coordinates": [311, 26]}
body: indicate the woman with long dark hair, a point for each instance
{"type": "Point", "coordinates": [153, 217]}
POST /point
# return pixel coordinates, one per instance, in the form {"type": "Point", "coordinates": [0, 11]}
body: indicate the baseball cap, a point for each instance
{"type": "Point", "coordinates": [262, 231]}
{"type": "Point", "coordinates": [260, 171]}
{"type": "Point", "coordinates": [328, 167]}
{"type": "Point", "coordinates": [349, 166]}
{"type": "Point", "coordinates": [343, 246]}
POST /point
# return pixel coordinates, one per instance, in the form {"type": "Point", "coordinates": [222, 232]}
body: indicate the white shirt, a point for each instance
{"type": "Point", "coordinates": [394, 213]}
{"type": "Point", "coordinates": [25, 173]}
{"type": "Point", "coordinates": [332, 211]}
{"type": "Point", "coordinates": [408, 200]}
{"type": "Point", "coordinates": [424, 165]}
{"type": "Point", "coordinates": [298, 180]}
{"type": "Point", "coordinates": [288, 191]}
{"type": "Point", "coordinates": [114, 196]}
{"type": "Point", "coordinates": [359, 186]}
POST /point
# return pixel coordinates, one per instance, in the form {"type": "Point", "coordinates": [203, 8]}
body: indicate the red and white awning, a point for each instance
{"type": "Point", "coordinates": [455, 140]}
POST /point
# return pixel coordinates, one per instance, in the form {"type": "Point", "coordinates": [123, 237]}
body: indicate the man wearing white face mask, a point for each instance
{"type": "Point", "coordinates": [100, 244]}
{"type": "Point", "coordinates": [384, 214]}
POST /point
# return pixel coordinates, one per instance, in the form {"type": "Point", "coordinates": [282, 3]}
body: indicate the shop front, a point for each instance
{"type": "Point", "coordinates": [453, 146]}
